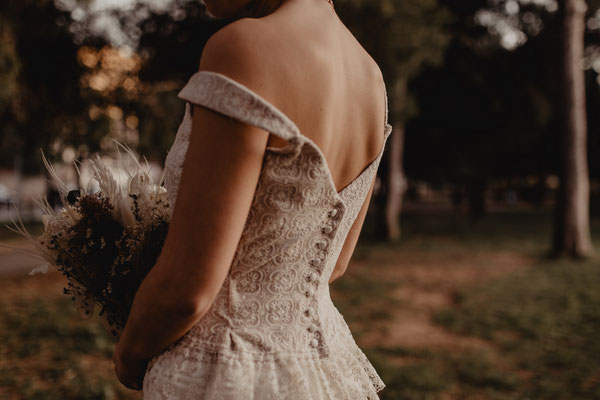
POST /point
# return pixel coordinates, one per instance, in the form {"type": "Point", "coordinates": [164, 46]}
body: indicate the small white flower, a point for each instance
{"type": "Point", "coordinates": [122, 212]}
{"type": "Point", "coordinates": [41, 269]}
{"type": "Point", "coordinates": [161, 193]}
{"type": "Point", "coordinates": [45, 220]}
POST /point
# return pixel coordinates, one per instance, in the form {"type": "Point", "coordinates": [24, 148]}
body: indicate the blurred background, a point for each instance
{"type": "Point", "coordinates": [475, 276]}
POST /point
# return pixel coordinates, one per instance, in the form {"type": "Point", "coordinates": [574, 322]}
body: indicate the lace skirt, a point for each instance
{"type": "Point", "coordinates": [185, 372]}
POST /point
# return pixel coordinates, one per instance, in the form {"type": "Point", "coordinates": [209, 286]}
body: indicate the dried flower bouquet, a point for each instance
{"type": "Point", "coordinates": [104, 242]}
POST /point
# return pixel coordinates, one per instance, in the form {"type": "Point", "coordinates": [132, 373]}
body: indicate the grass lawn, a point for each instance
{"type": "Point", "coordinates": [545, 324]}
{"type": "Point", "coordinates": [47, 351]}
{"type": "Point", "coordinates": [456, 310]}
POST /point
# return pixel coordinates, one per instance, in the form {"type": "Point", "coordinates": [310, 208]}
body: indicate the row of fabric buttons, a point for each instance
{"type": "Point", "coordinates": [313, 277]}
{"type": "Point", "coordinates": [313, 329]}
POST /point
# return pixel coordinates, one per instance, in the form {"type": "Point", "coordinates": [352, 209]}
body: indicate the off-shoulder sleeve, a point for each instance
{"type": "Point", "coordinates": [226, 96]}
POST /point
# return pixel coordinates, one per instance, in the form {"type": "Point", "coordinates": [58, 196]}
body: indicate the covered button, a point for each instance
{"type": "Point", "coordinates": [333, 212]}
{"type": "Point", "coordinates": [310, 277]}
{"type": "Point", "coordinates": [327, 229]}
{"type": "Point", "coordinates": [309, 292]}
{"type": "Point", "coordinates": [321, 245]}
{"type": "Point", "coordinates": [314, 343]}
{"type": "Point", "coordinates": [312, 328]}
{"type": "Point", "coordinates": [315, 262]}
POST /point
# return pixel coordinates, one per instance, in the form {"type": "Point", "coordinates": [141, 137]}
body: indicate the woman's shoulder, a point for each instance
{"type": "Point", "coordinates": [274, 59]}
{"type": "Point", "coordinates": [238, 36]}
{"type": "Point", "coordinates": [238, 50]}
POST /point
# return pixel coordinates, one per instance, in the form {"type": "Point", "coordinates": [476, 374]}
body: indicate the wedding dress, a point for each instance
{"type": "Point", "coordinates": [273, 331]}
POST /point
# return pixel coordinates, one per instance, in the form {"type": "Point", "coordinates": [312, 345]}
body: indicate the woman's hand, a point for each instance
{"type": "Point", "coordinates": [129, 372]}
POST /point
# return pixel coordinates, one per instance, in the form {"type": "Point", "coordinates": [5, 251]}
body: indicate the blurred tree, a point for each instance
{"type": "Point", "coordinates": [171, 42]}
{"type": "Point", "coordinates": [10, 66]}
{"type": "Point", "coordinates": [496, 109]}
{"type": "Point", "coordinates": [401, 36]}
{"type": "Point", "coordinates": [486, 114]}
{"type": "Point", "coordinates": [168, 40]}
{"type": "Point", "coordinates": [41, 102]}
{"type": "Point", "coordinates": [571, 230]}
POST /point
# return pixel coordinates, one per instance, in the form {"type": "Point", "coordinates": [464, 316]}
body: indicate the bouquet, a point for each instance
{"type": "Point", "coordinates": [104, 242]}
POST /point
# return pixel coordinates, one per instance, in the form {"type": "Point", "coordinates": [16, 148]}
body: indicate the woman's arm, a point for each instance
{"type": "Point", "coordinates": [218, 181]}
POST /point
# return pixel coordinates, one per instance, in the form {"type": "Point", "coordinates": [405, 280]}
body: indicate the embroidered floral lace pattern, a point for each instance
{"type": "Point", "coordinates": [273, 331]}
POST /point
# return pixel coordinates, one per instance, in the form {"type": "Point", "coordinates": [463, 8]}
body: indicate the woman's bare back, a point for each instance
{"type": "Point", "coordinates": [322, 79]}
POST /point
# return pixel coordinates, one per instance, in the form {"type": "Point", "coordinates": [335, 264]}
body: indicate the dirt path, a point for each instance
{"type": "Point", "coordinates": [429, 284]}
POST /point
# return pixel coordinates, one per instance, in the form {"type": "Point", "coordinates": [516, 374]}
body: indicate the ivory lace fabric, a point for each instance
{"type": "Point", "coordinates": [273, 331]}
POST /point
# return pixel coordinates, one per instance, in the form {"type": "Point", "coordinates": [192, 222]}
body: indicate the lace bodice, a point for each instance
{"type": "Point", "coordinates": [273, 331]}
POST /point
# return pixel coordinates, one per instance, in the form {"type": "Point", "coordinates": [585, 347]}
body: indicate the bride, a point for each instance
{"type": "Point", "coordinates": [269, 180]}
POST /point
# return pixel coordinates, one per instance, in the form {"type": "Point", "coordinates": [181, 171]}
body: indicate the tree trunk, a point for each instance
{"type": "Point", "coordinates": [572, 230]}
{"type": "Point", "coordinates": [476, 190]}
{"type": "Point", "coordinates": [397, 181]}
{"type": "Point", "coordinates": [18, 168]}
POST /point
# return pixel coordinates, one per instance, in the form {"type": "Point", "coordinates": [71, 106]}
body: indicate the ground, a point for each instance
{"type": "Point", "coordinates": [455, 310]}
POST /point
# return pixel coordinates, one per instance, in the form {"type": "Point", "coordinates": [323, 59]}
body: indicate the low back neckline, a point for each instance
{"type": "Point", "coordinates": [292, 134]}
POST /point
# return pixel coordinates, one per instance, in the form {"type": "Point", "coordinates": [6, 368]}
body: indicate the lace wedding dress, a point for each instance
{"type": "Point", "coordinates": [273, 331]}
